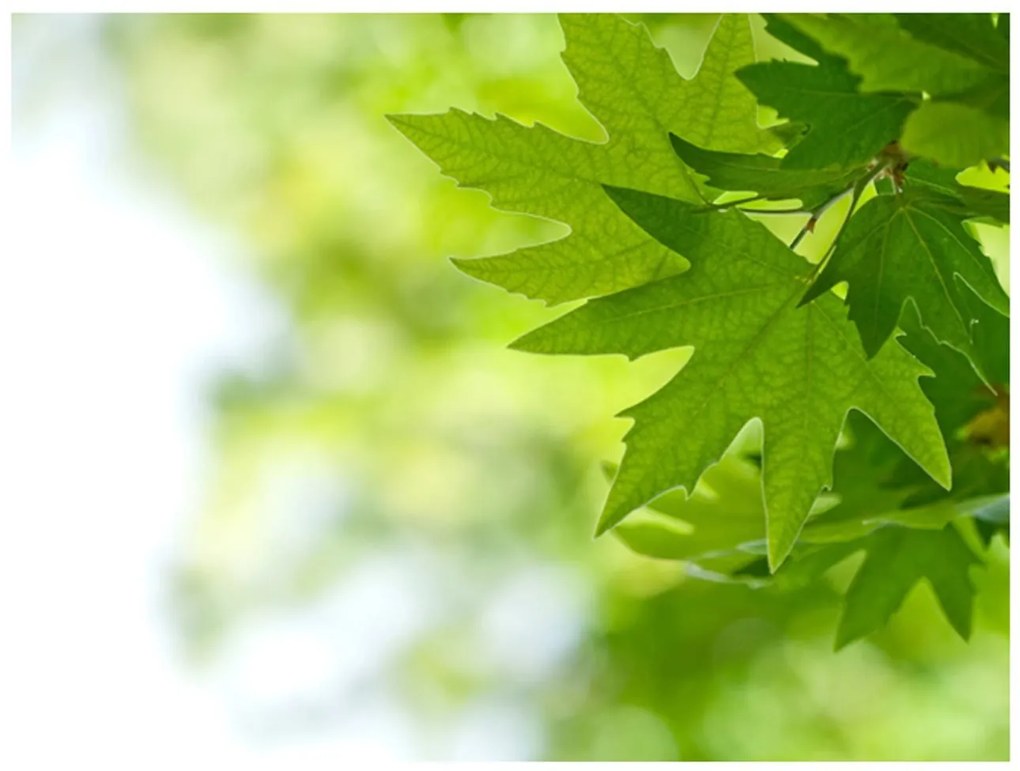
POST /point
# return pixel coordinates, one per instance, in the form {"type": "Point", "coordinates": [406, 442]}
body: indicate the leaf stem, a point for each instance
{"type": "Point", "coordinates": [858, 190]}
{"type": "Point", "coordinates": [731, 204]}
{"type": "Point", "coordinates": [797, 210]}
{"type": "Point", "coordinates": [816, 213]}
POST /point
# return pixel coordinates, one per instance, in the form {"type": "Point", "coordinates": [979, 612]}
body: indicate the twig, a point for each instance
{"type": "Point", "coordinates": [858, 190]}
{"type": "Point", "coordinates": [798, 210]}
{"type": "Point", "coordinates": [731, 204]}
{"type": "Point", "coordinates": [809, 226]}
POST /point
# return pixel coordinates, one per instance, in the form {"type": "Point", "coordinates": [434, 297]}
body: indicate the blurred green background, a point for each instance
{"type": "Point", "coordinates": [389, 552]}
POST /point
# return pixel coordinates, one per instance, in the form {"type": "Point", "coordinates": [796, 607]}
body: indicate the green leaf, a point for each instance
{"type": "Point", "coordinates": [956, 391]}
{"type": "Point", "coordinates": [955, 135]}
{"type": "Point", "coordinates": [859, 443]}
{"type": "Point", "coordinates": [986, 205]}
{"type": "Point", "coordinates": [712, 109]}
{"type": "Point", "coordinates": [723, 520]}
{"type": "Point", "coordinates": [757, 355]}
{"type": "Point", "coordinates": [873, 484]}
{"type": "Point", "coordinates": [897, 559]}
{"type": "Point", "coordinates": [973, 202]}
{"type": "Point", "coordinates": [900, 247]}
{"type": "Point", "coordinates": [973, 417]}
{"type": "Point", "coordinates": [721, 523]}
{"type": "Point", "coordinates": [764, 174]}
{"type": "Point", "coordinates": [846, 128]}
{"type": "Point", "coordinates": [968, 34]}
{"type": "Point", "coordinates": [991, 517]}
{"type": "Point", "coordinates": [991, 508]}
{"type": "Point", "coordinates": [631, 87]}
{"type": "Point", "coordinates": [887, 57]}
{"type": "Point", "coordinates": [724, 511]}
{"type": "Point", "coordinates": [992, 100]}
{"type": "Point", "coordinates": [863, 485]}
{"type": "Point", "coordinates": [778, 26]}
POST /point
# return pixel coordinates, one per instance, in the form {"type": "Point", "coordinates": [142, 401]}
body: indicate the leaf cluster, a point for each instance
{"type": "Point", "coordinates": [857, 403]}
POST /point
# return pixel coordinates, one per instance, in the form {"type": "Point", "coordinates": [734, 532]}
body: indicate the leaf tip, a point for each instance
{"type": "Point", "coordinates": [473, 267]}
{"type": "Point", "coordinates": [625, 198]}
{"type": "Point", "coordinates": [606, 522]}
{"type": "Point", "coordinates": [843, 639]}
{"type": "Point", "coordinates": [872, 344]}
{"type": "Point", "coordinates": [777, 554]}
{"type": "Point", "coordinates": [811, 294]}
{"type": "Point", "coordinates": [847, 630]}
{"type": "Point", "coordinates": [612, 513]}
{"type": "Point", "coordinates": [779, 541]}
{"type": "Point", "coordinates": [945, 477]}
{"type": "Point", "coordinates": [678, 143]}
{"type": "Point", "coordinates": [963, 631]}
{"type": "Point", "coordinates": [525, 343]}
{"type": "Point", "coordinates": [399, 120]}
{"type": "Point", "coordinates": [614, 192]}
{"type": "Point", "coordinates": [942, 469]}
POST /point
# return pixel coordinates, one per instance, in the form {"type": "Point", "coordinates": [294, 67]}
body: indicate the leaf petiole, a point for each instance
{"type": "Point", "coordinates": [730, 204]}
{"type": "Point", "coordinates": [809, 226]}
{"type": "Point", "coordinates": [858, 190]}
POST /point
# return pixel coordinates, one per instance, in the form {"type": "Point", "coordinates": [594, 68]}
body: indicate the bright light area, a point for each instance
{"type": "Point", "coordinates": [118, 309]}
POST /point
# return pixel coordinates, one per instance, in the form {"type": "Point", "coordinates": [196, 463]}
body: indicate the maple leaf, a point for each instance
{"type": "Point", "coordinates": [757, 355]}
{"type": "Point", "coordinates": [956, 391]}
{"type": "Point", "coordinates": [969, 34]}
{"type": "Point", "coordinates": [765, 174]}
{"type": "Point", "coordinates": [969, 202]}
{"type": "Point", "coordinates": [866, 490]}
{"type": "Point", "coordinates": [870, 490]}
{"type": "Point", "coordinates": [846, 128]}
{"type": "Point", "coordinates": [965, 72]}
{"type": "Point", "coordinates": [955, 134]}
{"type": "Point", "coordinates": [910, 246]}
{"type": "Point", "coordinates": [717, 524]}
{"type": "Point", "coordinates": [971, 415]}
{"type": "Point", "coordinates": [887, 57]}
{"type": "Point", "coordinates": [722, 515]}
{"type": "Point", "coordinates": [632, 88]}
{"type": "Point", "coordinates": [897, 559]}
{"type": "Point", "coordinates": [835, 404]}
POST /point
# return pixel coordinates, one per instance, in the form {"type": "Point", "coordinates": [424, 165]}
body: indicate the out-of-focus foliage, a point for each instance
{"type": "Point", "coordinates": [389, 432]}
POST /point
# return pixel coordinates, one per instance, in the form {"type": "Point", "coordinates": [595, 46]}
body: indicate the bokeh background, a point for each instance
{"type": "Point", "coordinates": [283, 494]}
